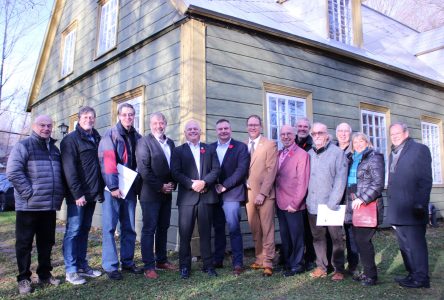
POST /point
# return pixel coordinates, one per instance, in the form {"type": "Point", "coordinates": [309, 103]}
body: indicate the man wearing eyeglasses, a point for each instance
{"type": "Point", "coordinates": [118, 146]}
{"type": "Point", "coordinates": [261, 194]}
{"type": "Point", "coordinates": [328, 176]}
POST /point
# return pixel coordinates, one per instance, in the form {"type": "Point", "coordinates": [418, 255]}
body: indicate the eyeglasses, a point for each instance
{"type": "Point", "coordinates": [319, 133]}
{"type": "Point", "coordinates": [127, 115]}
{"type": "Point", "coordinates": [253, 125]}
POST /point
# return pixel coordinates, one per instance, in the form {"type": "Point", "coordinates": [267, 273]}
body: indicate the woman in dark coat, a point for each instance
{"type": "Point", "coordinates": [364, 185]}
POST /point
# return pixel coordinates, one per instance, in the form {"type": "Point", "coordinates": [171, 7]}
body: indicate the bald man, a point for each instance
{"type": "Point", "coordinates": [34, 168]}
{"type": "Point", "coordinates": [195, 167]}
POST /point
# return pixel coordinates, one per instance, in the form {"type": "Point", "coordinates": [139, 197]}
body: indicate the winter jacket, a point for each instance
{"type": "Point", "coordinates": [36, 174]}
{"type": "Point", "coordinates": [81, 166]}
{"type": "Point", "coordinates": [370, 183]}
{"type": "Point", "coordinates": [116, 148]}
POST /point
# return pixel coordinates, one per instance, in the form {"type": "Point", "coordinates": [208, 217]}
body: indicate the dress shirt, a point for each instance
{"type": "Point", "coordinates": [166, 148]}
{"type": "Point", "coordinates": [256, 142]}
{"type": "Point", "coordinates": [222, 150]}
{"type": "Point", "coordinates": [195, 149]}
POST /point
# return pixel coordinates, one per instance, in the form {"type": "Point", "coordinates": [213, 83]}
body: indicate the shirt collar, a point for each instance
{"type": "Point", "coordinates": [220, 144]}
{"type": "Point", "coordinates": [192, 145]}
{"type": "Point", "coordinates": [256, 140]}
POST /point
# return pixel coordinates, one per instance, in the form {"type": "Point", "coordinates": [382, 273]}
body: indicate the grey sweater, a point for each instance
{"type": "Point", "coordinates": [328, 177]}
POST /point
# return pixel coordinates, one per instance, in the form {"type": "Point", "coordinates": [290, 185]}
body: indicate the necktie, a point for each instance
{"type": "Point", "coordinates": [252, 148]}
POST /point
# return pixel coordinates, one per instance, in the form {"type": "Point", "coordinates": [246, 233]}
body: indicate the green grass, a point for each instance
{"type": "Point", "coordinates": [251, 285]}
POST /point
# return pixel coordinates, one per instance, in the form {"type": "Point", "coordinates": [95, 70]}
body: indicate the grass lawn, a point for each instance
{"type": "Point", "coordinates": [251, 285]}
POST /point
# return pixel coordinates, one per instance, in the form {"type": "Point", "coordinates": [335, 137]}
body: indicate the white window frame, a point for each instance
{"type": "Point", "coordinates": [284, 116]}
{"type": "Point", "coordinates": [136, 102]}
{"type": "Point", "coordinates": [340, 21]}
{"type": "Point", "coordinates": [431, 137]}
{"type": "Point", "coordinates": [68, 50]}
{"type": "Point", "coordinates": [107, 31]}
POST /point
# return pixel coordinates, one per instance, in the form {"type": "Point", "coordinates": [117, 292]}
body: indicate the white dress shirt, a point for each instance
{"type": "Point", "coordinates": [222, 150]}
{"type": "Point", "coordinates": [166, 148]}
{"type": "Point", "coordinates": [195, 149]}
{"type": "Point", "coordinates": [256, 142]}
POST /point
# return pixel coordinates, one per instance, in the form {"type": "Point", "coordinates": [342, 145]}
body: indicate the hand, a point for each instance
{"type": "Point", "coordinates": [173, 186]}
{"type": "Point", "coordinates": [356, 204]}
{"type": "Point", "coordinates": [81, 201]}
{"type": "Point", "coordinates": [116, 194]}
{"type": "Point", "coordinates": [290, 209]}
{"type": "Point", "coordinates": [198, 185]}
{"type": "Point", "coordinates": [167, 188]}
{"type": "Point", "coordinates": [259, 199]}
{"type": "Point", "coordinates": [220, 188]}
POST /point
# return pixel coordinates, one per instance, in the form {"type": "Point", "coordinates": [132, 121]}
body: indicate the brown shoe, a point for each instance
{"type": "Point", "coordinates": [267, 272]}
{"type": "Point", "coordinates": [237, 270]}
{"type": "Point", "coordinates": [151, 274]}
{"type": "Point", "coordinates": [256, 266]}
{"type": "Point", "coordinates": [166, 266]}
{"type": "Point", "coordinates": [318, 273]}
{"type": "Point", "coordinates": [337, 276]}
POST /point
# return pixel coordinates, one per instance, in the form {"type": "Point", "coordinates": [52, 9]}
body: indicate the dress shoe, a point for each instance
{"type": "Point", "coordinates": [166, 266]}
{"type": "Point", "coordinates": [267, 272]}
{"type": "Point", "coordinates": [413, 284]}
{"type": "Point", "coordinates": [256, 266]}
{"type": "Point", "coordinates": [184, 273]}
{"type": "Point", "coordinates": [292, 272]}
{"type": "Point", "coordinates": [237, 270]}
{"type": "Point", "coordinates": [368, 281]}
{"type": "Point", "coordinates": [218, 265]}
{"type": "Point", "coordinates": [132, 269]}
{"type": "Point", "coordinates": [151, 274]}
{"type": "Point", "coordinates": [114, 275]}
{"type": "Point", "coordinates": [318, 273]}
{"type": "Point", "coordinates": [310, 266]}
{"type": "Point", "coordinates": [210, 272]}
{"type": "Point", "coordinates": [399, 279]}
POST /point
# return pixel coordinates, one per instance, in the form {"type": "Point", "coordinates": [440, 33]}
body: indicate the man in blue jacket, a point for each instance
{"type": "Point", "coordinates": [81, 167]}
{"type": "Point", "coordinates": [118, 146]}
{"type": "Point", "coordinates": [35, 170]}
{"type": "Point", "coordinates": [234, 160]}
{"type": "Point", "coordinates": [408, 194]}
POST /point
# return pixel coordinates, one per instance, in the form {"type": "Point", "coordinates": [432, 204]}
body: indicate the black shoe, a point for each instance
{"type": "Point", "coordinates": [368, 281]}
{"type": "Point", "coordinates": [210, 272]}
{"type": "Point", "coordinates": [292, 272]}
{"type": "Point", "coordinates": [403, 279]}
{"type": "Point", "coordinates": [218, 265]}
{"type": "Point", "coordinates": [413, 284]}
{"type": "Point", "coordinates": [132, 269]}
{"type": "Point", "coordinates": [184, 273]}
{"type": "Point", "coordinates": [359, 277]}
{"type": "Point", "coordinates": [114, 275]}
{"type": "Point", "coordinates": [310, 266]}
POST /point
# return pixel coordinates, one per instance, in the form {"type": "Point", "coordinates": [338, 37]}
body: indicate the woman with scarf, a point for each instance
{"type": "Point", "coordinates": [364, 185]}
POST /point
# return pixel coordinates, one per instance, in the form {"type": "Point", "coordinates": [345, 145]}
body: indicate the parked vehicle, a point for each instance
{"type": "Point", "coordinates": [7, 201]}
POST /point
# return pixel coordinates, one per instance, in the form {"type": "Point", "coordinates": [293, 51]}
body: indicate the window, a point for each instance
{"type": "Point", "coordinates": [340, 21]}
{"type": "Point", "coordinates": [135, 98]}
{"type": "Point", "coordinates": [283, 110]}
{"type": "Point", "coordinates": [431, 138]}
{"type": "Point", "coordinates": [67, 50]}
{"type": "Point", "coordinates": [107, 37]}
{"type": "Point", "coordinates": [374, 125]}
{"type": "Point", "coordinates": [73, 120]}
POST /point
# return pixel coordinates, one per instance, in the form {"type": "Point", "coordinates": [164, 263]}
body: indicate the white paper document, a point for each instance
{"type": "Point", "coordinates": [126, 179]}
{"type": "Point", "coordinates": [328, 217]}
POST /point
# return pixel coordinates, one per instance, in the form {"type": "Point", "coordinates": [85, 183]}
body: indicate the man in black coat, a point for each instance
{"type": "Point", "coordinates": [153, 155]}
{"type": "Point", "coordinates": [81, 167]}
{"type": "Point", "coordinates": [235, 161]}
{"type": "Point", "coordinates": [409, 185]}
{"type": "Point", "coordinates": [196, 168]}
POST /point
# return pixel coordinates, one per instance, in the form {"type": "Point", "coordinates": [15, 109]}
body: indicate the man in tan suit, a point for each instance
{"type": "Point", "coordinates": [261, 194]}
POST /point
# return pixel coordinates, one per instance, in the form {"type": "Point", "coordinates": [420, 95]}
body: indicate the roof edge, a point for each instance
{"type": "Point", "coordinates": [45, 51]}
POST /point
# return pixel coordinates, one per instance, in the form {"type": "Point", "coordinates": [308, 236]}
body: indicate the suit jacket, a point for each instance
{"type": "Point", "coordinates": [153, 168]}
{"type": "Point", "coordinates": [292, 179]}
{"type": "Point", "coordinates": [183, 168]}
{"type": "Point", "coordinates": [410, 185]}
{"type": "Point", "coordinates": [263, 168]}
{"type": "Point", "coordinates": [234, 171]}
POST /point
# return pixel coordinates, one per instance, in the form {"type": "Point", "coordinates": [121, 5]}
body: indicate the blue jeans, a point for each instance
{"type": "Point", "coordinates": [123, 210]}
{"type": "Point", "coordinates": [75, 242]}
{"type": "Point", "coordinates": [229, 213]}
{"type": "Point", "coordinates": [156, 221]}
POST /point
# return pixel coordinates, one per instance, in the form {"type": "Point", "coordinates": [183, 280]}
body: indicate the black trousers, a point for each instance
{"type": "Point", "coordinates": [187, 218]}
{"type": "Point", "coordinates": [310, 253]}
{"type": "Point", "coordinates": [40, 224]}
{"type": "Point", "coordinates": [352, 247]}
{"type": "Point", "coordinates": [363, 237]}
{"type": "Point", "coordinates": [291, 227]}
{"type": "Point", "coordinates": [320, 245]}
{"type": "Point", "coordinates": [413, 246]}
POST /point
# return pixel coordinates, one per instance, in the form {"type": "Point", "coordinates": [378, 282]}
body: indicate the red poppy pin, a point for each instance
{"type": "Point", "coordinates": [202, 150]}
{"type": "Point", "coordinates": [230, 146]}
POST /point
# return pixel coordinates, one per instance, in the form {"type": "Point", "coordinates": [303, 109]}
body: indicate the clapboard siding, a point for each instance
{"type": "Point", "coordinates": [138, 20]}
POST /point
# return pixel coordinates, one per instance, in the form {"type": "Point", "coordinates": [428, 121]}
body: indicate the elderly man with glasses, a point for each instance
{"type": "Point", "coordinates": [328, 176]}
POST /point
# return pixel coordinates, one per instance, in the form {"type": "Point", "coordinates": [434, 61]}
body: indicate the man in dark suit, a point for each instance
{"type": "Point", "coordinates": [409, 185]}
{"type": "Point", "coordinates": [234, 160]}
{"type": "Point", "coordinates": [196, 168]}
{"type": "Point", "coordinates": [153, 156]}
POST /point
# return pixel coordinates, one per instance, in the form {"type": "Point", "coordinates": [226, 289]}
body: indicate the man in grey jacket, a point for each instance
{"type": "Point", "coordinates": [328, 177]}
{"type": "Point", "coordinates": [35, 170]}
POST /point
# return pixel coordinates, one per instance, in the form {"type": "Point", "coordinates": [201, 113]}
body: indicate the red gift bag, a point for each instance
{"type": "Point", "coordinates": [366, 215]}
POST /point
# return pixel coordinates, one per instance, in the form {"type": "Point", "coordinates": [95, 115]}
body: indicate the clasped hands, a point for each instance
{"type": "Point", "coordinates": [168, 188]}
{"type": "Point", "coordinates": [198, 186]}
